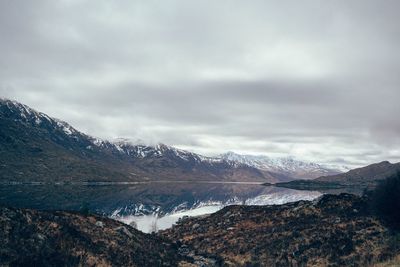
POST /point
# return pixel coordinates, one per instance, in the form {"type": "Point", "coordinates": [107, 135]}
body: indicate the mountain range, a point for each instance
{"type": "Point", "coordinates": [288, 166]}
{"type": "Point", "coordinates": [35, 147]}
{"type": "Point", "coordinates": [355, 181]}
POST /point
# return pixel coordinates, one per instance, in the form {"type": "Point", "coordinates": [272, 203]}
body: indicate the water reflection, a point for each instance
{"type": "Point", "coordinates": [205, 203]}
{"type": "Point", "coordinates": [150, 206]}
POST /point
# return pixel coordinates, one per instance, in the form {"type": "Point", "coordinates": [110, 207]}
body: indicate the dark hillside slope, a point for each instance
{"type": "Point", "coordinates": [336, 230]}
{"type": "Point", "coordinates": [37, 148]}
{"type": "Point", "coordinates": [365, 175]}
{"type": "Point", "coordinates": [38, 238]}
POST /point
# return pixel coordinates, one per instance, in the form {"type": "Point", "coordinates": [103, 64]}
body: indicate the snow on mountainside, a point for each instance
{"type": "Point", "coordinates": [158, 150]}
{"type": "Point", "coordinates": [285, 165]}
{"type": "Point", "coordinates": [66, 135]}
{"type": "Point", "coordinates": [23, 113]}
{"type": "Point", "coordinates": [57, 152]}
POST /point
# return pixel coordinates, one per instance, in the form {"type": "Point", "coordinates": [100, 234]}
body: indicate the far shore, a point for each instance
{"type": "Point", "coordinates": [129, 183]}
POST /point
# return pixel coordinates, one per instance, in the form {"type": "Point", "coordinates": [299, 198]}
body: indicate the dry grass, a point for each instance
{"type": "Point", "coordinates": [395, 262]}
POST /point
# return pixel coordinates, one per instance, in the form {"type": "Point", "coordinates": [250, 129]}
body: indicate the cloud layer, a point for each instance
{"type": "Point", "coordinates": [314, 79]}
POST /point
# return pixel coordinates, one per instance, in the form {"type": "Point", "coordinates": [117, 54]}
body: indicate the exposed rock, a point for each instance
{"type": "Point", "coordinates": [227, 214]}
{"type": "Point", "coordinates": [124, 230]}
{"type": "Point", "coordinates": [133, 224]}
{"type": "Point", "coordinates": [100, 224]}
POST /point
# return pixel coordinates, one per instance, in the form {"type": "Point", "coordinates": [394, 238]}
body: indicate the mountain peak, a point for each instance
{"type": "Point", "coordinates": [17, 111]}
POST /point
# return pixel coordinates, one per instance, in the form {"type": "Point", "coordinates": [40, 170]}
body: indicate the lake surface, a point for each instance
{"type": "Point", "coordinates": [151, 206]}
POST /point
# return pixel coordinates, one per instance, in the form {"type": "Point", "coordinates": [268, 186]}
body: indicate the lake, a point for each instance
{"type": "Point", "coordinates": [150, 206]}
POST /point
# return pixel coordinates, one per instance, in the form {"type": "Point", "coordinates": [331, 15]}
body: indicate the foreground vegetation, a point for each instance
{"type": "Point", "coordinates": [334, 230]}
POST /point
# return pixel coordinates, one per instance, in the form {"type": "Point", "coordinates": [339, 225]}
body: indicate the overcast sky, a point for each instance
{"type": "Point", "coordinates": [318, 80]}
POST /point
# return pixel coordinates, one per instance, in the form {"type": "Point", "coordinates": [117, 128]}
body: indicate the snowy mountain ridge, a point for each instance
{"type": "Point", "coordinates": [287, 165]}
{"type": "Point", "coordinates": [29, 115]}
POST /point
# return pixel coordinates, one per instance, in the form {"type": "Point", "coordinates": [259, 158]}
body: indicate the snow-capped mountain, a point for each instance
{"type": "Point", "coordinates": [285, 165]}
{"type": "Point", "coordinates": [36, 147]}
{"type": "Point", "coordinates": [22, 113]}
{"type": "Point", "coordinates": [56, 150]}
{"type": "Point", "coordinates": [143, 151]}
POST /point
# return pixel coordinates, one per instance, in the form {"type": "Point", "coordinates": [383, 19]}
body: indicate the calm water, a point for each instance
{"type": "Point", "coordinates": [151, 206]}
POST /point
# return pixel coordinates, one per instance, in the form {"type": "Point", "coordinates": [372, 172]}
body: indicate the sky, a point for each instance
{"type": "Point", "coordinates": [317, 80]}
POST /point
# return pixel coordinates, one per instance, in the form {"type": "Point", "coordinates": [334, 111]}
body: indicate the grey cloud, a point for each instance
{"type": "Point", "coordinates": [275, 77]}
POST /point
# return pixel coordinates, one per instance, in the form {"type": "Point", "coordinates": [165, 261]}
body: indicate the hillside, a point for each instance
{"type": "Point", "coordinates": [336, 230]}
{"type": "Point", "coordinates": [354, 181]}
{"type": "Point", "coordinates": [37, 148]}
{"type": "Point", "coordinates": [38, 238]}
{"type": "Point", "coordinates": [365, 175]}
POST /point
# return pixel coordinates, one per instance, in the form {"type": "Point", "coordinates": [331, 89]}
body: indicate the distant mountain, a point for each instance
{"type": "Point", "coordinates": [365, 175]}
{"type": "Point", "coordinates": [286, 165]}
{"type": "Point", "coordinates": [36, 147]}
{"type": "Point", "coordinates": [354, 181]}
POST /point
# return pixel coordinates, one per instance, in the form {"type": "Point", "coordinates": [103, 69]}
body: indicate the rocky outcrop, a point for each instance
{"type": "Point", "coordinates": [336, 230]}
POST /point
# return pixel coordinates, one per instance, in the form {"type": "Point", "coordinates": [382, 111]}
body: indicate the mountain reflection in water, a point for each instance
{"type": "Point", "coordinates": [152, 206]}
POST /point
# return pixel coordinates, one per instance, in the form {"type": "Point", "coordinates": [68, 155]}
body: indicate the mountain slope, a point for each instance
{"type": "Point", "coordinates": [365, 175]}
{"type": "Point", "coordinates": [335, 230]}
{"type": "Point", "coordinates": [36, 147]}
{"type": "Point", "coordinates": [354, 181]}
{"type": "Point", "coordinates": [287, 166]}
{"type": "Point", "coordinates": [44, 238]}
